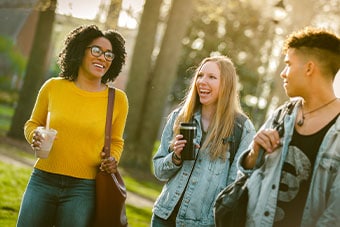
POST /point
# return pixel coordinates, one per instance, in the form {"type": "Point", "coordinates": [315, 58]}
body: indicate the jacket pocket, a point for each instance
{"type": "Point", "coordinates": [329, 164]}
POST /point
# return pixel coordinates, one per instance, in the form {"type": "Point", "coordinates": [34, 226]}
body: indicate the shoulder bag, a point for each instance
{"type": "Point", "coordinates": [110, 188]}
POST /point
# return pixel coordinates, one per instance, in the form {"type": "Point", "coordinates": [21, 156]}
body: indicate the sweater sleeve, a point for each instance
{"type": "Point", "coordinates": [39, 112]}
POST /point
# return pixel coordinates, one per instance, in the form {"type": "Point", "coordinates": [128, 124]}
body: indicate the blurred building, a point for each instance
{"type": "Point", "coordinates": [17, 26]}
{"type": "Point", "coordinates": [18, 20]}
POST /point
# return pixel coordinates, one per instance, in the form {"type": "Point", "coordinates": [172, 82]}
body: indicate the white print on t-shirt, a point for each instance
{"type": "Point", "coordinates": [297, 169]}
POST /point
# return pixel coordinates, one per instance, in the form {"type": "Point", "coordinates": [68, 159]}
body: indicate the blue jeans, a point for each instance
{"type": "Point", "coordinates": [57, 200]}
{"type": "Point", "coordinates": [159, 222]}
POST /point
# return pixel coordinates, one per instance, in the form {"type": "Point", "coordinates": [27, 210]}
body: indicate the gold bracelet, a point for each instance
{"type": "Point", "coordinates": [176, 157]}
{"type": "Point", "coordinates": [176, 160]}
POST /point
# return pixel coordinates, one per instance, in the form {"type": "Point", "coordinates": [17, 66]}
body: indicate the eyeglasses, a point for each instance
{"type": "Point", "coordinates": [96, 51]}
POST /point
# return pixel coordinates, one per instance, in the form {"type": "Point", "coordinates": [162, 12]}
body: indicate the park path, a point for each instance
{"type": "Point", "coordinates": [9, 153]}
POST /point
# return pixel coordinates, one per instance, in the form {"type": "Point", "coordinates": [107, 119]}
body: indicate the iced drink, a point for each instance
{"type": "Point", "coordinates": [47, 142]}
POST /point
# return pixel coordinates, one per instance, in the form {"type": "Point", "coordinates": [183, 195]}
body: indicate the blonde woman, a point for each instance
{"type": "Point", "coordinates": [191, 186]}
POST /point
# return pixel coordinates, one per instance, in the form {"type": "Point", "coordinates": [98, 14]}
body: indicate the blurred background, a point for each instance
{"type": "Point", "coordinates": [165, 40]}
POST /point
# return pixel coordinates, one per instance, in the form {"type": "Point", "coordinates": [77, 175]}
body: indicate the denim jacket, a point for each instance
{"type": "Point", "coordinates": [322, 206]}
{"type": "Point", "coordinates": [208, 178]}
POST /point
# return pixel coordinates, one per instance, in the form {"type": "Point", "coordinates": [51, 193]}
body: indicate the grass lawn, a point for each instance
{"type": "Point", "coordinates": [13, 181]}
{"type": "Point", "coordinates": [12, 189]}
{"type": "Point", "coordinates": [6, 113]}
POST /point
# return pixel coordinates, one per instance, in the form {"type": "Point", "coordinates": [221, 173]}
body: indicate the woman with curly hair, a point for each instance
{"type": "Point", "coordinates": [61, 190]}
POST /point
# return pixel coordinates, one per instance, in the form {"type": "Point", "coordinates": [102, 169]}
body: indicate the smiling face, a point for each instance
{"type": "Point", "coordinates": [93, 67]}
{"type": "Point", "coordinates": [208, 81]}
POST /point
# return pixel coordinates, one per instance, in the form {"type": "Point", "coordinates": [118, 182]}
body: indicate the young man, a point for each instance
{"type": "Point", "coordinates": [299, 181]}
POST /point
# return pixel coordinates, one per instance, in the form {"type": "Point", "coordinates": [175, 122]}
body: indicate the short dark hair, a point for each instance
{"type": "Point", "coordinates": [70, 58]}
{"type": "Point", "coordinates": [321, 43]}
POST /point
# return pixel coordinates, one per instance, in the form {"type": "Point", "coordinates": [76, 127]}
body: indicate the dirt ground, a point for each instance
{"type": "Point", "coordinates": [19, 153]}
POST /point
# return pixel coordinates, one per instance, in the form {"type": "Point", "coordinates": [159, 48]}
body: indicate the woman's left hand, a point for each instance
{"type": "Point", "coordinates": [108, 165]}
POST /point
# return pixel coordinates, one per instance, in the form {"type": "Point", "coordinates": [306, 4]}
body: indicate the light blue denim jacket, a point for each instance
{"type": "Point", "coordinates": [208, 178]}
{"type": "Point", "coordinates": [323, 202]}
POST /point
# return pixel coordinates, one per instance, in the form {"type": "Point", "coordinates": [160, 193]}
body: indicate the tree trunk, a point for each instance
{"type": "Point", "coordinates": [139, 75]}
{"type": "Point", "coordinates": [113, 14]}
{"type": "Point", "coordinates": [37, 67]}
{"type": "Point", "coordinates": [163, 76]}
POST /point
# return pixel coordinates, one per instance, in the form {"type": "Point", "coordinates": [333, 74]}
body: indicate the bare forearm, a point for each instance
{"type": "Point", "coordinates": [249, 161]}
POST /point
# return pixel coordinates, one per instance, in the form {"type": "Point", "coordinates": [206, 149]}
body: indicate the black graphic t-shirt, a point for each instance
{"type": "Point", "coordinates": [296, 176]}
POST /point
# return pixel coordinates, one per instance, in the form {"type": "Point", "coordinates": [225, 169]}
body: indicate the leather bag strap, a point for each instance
{"type": "Point", "coordinates": [108, 132]}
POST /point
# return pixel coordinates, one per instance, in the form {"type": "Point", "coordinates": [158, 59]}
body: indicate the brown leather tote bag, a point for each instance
{"type": "Point", "coordinates": [110, 188]}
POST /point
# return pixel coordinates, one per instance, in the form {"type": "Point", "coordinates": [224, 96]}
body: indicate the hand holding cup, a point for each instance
{"type": "Point", "coordinates": [185, 141]}
{"type": "Point", "coordinates": [43, 141]}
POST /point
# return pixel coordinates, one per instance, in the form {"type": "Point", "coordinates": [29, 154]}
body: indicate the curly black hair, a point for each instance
{"type": "Point", "coordinates": [70, 58]}
{"type": "Point", "coordinates": [323, 44]}
{"type": "Point", "coordinates": [313, 38]}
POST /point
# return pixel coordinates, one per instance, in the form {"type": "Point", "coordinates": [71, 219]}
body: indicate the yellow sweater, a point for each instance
{"type": "Point", "coordinates": [79, 117]}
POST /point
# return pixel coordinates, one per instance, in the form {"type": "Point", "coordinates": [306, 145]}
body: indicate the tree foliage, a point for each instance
{"type": "Point", "coordinates": [235, 29]}
{"type": "Point", "coordinates": [246, 31]}
{"type": "Point", "coordinates": [12, 63]}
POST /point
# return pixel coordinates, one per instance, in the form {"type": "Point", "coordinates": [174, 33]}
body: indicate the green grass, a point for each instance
{"type": "Point", "coordinates": [145, 189]}
{"type": "Point", "coordinates": [138, 217]}
{"type": "Point", "coordinates": [6, 112]}
{"type": "Point", "coordinates": [13, 180]}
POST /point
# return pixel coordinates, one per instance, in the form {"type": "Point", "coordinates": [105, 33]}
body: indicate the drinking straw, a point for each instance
{"type": "Point", "coordinates": [48, 120]}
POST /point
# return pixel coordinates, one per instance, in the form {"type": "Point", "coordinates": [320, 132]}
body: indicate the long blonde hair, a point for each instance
{"type": "Point", "coordinates": [228, 105]}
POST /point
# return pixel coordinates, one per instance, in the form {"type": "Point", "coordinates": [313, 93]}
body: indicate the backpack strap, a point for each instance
{"type": "Point", "coordinates": [285, 109]}
{"type": "Point", "coordinates": [278, 124]}
{"type": "Point", "coordinates": [234, 139]}
{"type": "Point", "coordinates": [238, 129]}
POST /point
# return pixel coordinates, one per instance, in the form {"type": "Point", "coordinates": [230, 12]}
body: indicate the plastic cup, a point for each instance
{"type": "Point", "coordinates": [47, 142]}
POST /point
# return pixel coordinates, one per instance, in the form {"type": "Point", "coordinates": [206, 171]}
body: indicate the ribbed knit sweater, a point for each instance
{"type": "Point", "coordinates": [79, 117]}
